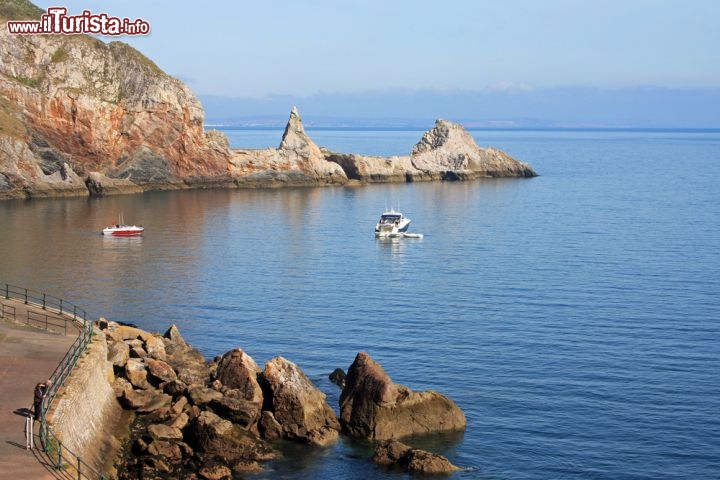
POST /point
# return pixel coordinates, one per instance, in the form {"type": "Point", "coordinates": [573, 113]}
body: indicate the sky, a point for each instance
{"type": "Point", "coordinates": [318, 49]}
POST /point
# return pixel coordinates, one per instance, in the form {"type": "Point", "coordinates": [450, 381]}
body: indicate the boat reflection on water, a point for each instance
{"type": "Point", "coordinates": [111, 242]}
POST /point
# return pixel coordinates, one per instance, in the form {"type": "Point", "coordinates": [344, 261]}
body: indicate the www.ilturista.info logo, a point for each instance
{"type": "Point", "coordinates": [57, 21]}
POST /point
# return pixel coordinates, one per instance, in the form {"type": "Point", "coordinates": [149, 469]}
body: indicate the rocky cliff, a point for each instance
{"type": "Point", "coordinates": [79, 116]}
{"type": "Point", "coordinates": [71, 105]}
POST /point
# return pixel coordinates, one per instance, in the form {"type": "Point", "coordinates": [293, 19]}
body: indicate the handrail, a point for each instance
{"type": "Point", "coordinates": [43, 300]}
{"type": "Point", "coordinates": [48, 439]}
{"type": "Point", "coordinates": [44, 318]}
{"type": "Point", "coordinates": [10, 311]}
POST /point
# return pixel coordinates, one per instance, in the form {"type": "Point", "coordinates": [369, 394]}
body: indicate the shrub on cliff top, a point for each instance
{"type": "Point", "coordinates": [19, 10]}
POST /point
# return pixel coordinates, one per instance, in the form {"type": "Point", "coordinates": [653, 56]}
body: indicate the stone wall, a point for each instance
{"type": "Point", "coordinates": [86, 413]}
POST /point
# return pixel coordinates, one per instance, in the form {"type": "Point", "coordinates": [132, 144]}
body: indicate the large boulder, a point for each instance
{"type": "Point", "coordinates": [237, 370]}
{"type": "Point", "coordinates": [373, 407]}
{"type": "Point", "coordinates": [186, 360]}
{"type": "Point", "coordinates": [297, 405]}
{"type": "Point", "coordinates": [136, 372]}
{"type": "Point", "coordinates": [395, 454]}
{"type": "Point", "coordinates": [216, 437]}
{"type": "Point", "coordinates": [118, 353]}
{"type": "Point", "coordinates": [159, 371]}
{"type": "Point", "coordinates": [155, 347]}
{"type": "Point", "coordinates": [234, 407]}
{"type": "Point", "coordinates": [145, 401]}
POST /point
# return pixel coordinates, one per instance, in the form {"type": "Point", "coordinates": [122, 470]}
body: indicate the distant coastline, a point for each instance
{"type": "Point", "coordinates": [412, 128]}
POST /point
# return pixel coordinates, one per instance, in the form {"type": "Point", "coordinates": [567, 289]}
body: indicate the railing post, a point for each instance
{"type": "Point", "coordinates": [41, 437]}
{"type": "Point", "coordinates": [7, 291]}
{"type": "Point", "coordinates": [61, 306]}
{"type": "Point", "coordinates": [78, 468]}
{"type": "Point", "coordinates": [26, 300]}
{"type": "Point", "coordinates": [43, 304]}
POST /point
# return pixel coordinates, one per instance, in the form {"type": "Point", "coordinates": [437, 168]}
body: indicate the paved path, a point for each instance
{"type": "Point", "coordinates": [28, 355]}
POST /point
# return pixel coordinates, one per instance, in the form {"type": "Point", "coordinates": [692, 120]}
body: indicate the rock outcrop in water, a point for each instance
{"type": "Point", "coordinates": [446, 152]}
{"type": "Point", "coordinates": [395, 454]}
{"type": "Point", "coordinates": [297, 161]}
{"type": "Point", "coordinates": [81, 117]}
{"type": "Point", "coordinates": [448, 149]}
{"type": "Point", "coordinates": [375, 408]}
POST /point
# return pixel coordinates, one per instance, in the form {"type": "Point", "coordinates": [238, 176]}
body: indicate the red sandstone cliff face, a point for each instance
{"type": "Point", "coordinates": [74, 105]}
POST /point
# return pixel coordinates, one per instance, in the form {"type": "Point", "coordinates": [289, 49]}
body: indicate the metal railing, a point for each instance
{"type": "Point", "coordinates": [44, 301]}
{"type": "Point", "coordinates": [61, 456]}
{"type": "Point", "coordinates": [7, 311]}
{"type": "Point", "coordinates": [47, 321]}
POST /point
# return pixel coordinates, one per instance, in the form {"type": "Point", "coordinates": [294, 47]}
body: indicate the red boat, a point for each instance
{"type": "Point", "coordinates": [122, 230]}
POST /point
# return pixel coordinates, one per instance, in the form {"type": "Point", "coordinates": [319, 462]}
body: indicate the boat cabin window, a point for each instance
{"type": "Point", "coordinates": [389, 218]}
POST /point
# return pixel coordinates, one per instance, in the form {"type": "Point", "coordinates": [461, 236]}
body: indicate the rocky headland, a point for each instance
{"type": "Point", "coordinates": [81, 117]}
{"type": "Point", "coordinates": [193, 418]}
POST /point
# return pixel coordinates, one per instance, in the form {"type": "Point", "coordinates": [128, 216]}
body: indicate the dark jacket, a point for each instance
{"type": "Point", "coordinates": [38, 400]}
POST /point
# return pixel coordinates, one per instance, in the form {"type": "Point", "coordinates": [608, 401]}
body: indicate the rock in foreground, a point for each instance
{"type": "Point", "coordinates": [208, 419]}
{"type": "Point", "coordinates": [296, 409]}
{"type": "Point", "coordinates": [396, 454]}
{"type": "Point", "coordinates": [374, 408]}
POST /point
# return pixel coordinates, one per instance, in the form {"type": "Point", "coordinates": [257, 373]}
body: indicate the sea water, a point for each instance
{"type": "Point", "coordinates": [574, 317]}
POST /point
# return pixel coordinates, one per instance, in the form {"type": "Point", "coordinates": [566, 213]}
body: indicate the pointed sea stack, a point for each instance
{"type": "Point", "coordinates": [297, 161]}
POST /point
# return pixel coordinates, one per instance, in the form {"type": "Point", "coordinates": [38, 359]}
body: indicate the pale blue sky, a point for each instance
{"type": "Point", "coordinates": [255, 49]}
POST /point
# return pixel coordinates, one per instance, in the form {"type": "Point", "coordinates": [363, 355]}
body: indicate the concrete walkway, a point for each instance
{"type": "Point", "coordinates": [28, 355]}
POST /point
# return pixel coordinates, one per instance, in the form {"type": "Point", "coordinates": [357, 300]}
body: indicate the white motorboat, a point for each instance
{"type": "Point", "coordinates": [392, 224]}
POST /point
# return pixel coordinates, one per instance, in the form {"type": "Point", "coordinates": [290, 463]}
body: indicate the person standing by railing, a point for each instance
{"type": "Point", "coordinates": [38, 412]}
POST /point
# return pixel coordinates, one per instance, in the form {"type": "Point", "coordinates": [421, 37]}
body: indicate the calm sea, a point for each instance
{"type": "Point", "coordinates": [574, 317]}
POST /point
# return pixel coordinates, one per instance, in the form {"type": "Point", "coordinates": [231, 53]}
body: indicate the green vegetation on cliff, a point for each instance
{"type": "Point", "coordinates": [122, 50]}
{"type": "Point", "coordinates": [19, 10]}
{"type": "Point", "coordinates": [10, 123]}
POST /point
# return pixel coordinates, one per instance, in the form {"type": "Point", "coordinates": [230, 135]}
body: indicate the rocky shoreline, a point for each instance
{"type": "Point", "coordinates": [214, 419]}
{"type": "Point", "coordinates": [79, 117]}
